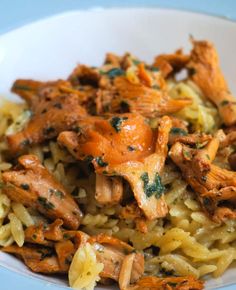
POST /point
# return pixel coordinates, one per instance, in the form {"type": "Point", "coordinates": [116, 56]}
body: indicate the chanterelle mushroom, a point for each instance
{"type": "Point", "coordinates": [34, 186]}
{"type": "Point", "coordinates": [206, 73]}
{"type": "Point", "coordinates": [55, 108]}
{"type": "Point", "coordinates": [138, 155]}
{"type": "Point", "coordinates": [214, 185]}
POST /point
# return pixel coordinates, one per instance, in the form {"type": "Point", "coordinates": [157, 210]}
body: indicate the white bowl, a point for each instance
{"type": "Point", "coordinates": [50, 49]}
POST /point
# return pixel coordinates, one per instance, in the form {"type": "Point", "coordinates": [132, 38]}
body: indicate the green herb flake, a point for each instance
{"type": "Point", "coordinates": [57, 193]}
{"type": "Point", "coordinates": [115, 72]}
{"type": "Point", "coordinates": [204, 178]}
{"type": "Point", "coordinates": [100, 162]}
{"type": "Point", "coordinates": [48, 130]}
{"type": "Point", "coordinates": [131, 148]}
{"type": "Point", "coordinates": [116, 123]}
{"type": "Point", "coordinates": [154, 69]}
{"type": "Point", "coordinates": [156, 188]}
{"type": "Point", "coordinates": [208, 157]}
{"type": "Point", "coordinates": [45, 203]}
{"type": "Point", "coordinates": [156, 87]}
{"type": "Point", "coordinates": [178, 131]}
{"type": "Point", "coordinates": [25, 142]}
{"type": "Point", "coordinates": [88, 158]}
{"type": "Point", "coordinates": [136, 61]}
{"type": "Point", "coordinates": [206, 201]}
{"type": "Point", "coordinates": [200, 145]}
{"type": "Point", "coordinates": [22, 87]}
{"type": "Point", "coordinates": [66, 236]}
{"type": "Point", "coordinates": [25, 186]}
{"type": "Point", "coordinates": [77, 129]}
{"type": "Point", "coordinates": [1, 185]}
{"type": "Point", "coordinates": [45, 253]}
{"type": "Point", "coordinates": [224, 103]}
{"type": "Point", "coordinates": [186, 154]}
{"type": "Point", "coordinates": [58, 105]}
{"type": "Point", "coordinates": [34, 236]}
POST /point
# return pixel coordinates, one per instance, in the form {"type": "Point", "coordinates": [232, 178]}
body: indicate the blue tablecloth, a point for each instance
{"type": "Point", "coordinates": [14, 13]}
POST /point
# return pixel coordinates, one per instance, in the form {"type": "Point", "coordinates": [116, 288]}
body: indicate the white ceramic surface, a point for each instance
{"type": "Point", "coordinates": [49, 49]}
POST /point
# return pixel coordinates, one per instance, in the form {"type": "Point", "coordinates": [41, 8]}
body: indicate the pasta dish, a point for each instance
{"type": "Point", "coordinates": [123, 173]}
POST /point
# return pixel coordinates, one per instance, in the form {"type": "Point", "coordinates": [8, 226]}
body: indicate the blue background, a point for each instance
{"type": "Point", "coordinates": [17, 12]}
{"type": "Point", "coordinates": [14, 13]}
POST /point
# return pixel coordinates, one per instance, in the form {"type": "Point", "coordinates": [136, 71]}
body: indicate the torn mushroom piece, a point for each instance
{"type": "Point", "coordinates": [144, 177]}
{"type": "Point", "coordinates": [112, 253]}
{"type": "Point", "coordinates": [44, 234]}
{"type": "Point", "coordinates": [32, 185]}
{"type": "Point", "coordinates": [138, 98]}
{"type": "Point", "coordinates": [171, 63]}
{"type": "Point", "coordinates": [133, 212]}
{"type": "Point", "coordinates": [181, 135]}
{"type": "Point", "coordinates": [169, 283]}
{"type": "Point", "coordinates": [55, 107]}
{"type": "Point", "coordinates": [109, 190]}
{"type": "Point", "coordinates": [138, 155]}
{"type": "Point", "coordinates": [206, 73]}
{"type": "Point", "coordinates": [38, 259]}
{"type": "Point", "coordinates": [215, 186]}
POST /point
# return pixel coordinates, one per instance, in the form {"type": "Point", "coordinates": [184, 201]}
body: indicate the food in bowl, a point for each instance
{"type": "Point", "coordinates": [123, 173]}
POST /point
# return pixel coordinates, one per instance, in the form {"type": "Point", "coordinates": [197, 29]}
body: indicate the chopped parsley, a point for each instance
{"type": "Point", "coordinates": [57, 193]}
{"type": "Point", "coordinates": [178, 131]}
{"type": "Point", "coordinates": [66, 236]}
{"type": "Point", "coordinates": [88, 159]}
{"type": "Point", "coordinates": [156, 188]}
{"type": "Point", "coordinates": [25, 142]}
{"type": "Point", "coordinates": [34, 236]}
{"type": "Point", "coordinates": [208, 157]}
{"type": "Point", "coordinates": [154, 69]}
{"type": "Point", "coordinates": [224, 103]}
{"type": "Point", "coordinates": [45, 203]}
{"type": "Point", "coordinates": [156, 87]}
{"type": "Point", "coordinates": [206, 201]}
{"type": "Point", "coordinates": [77, 129]}
{"type": "Point", "coordinates": [48, 130]}
{"type": "Point", "coordinates": [58, 105]}
{"type": "Point", "coordinates": [131, 148]}
{"type": "Point", "coordinates": [186, 154]}
{"type": "Point", "coordinates": [25, 186]}
{"type": "Point", "coordinates": [100, 162]}
{"type": "Point", "coordinates": [204, 178]}
{"type": "Point", "coordinates": [116, 122]}
{"type": "Point", "coordinates": [200, 145]}
{"type": "Point", "coordinates": [115, 72]}
{"type": "Point", "coordinates": [136, 61]}
{"type": "Point", "coordinates": [45, 253]}
{"type": "Point", "coordinates": [22, 87]}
